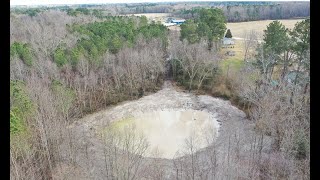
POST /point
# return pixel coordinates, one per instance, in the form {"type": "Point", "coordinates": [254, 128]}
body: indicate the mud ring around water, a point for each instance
{"type": "Point", "coordinates": [167, 120]}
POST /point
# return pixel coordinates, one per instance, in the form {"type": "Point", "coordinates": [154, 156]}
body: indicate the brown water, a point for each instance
{"type": "Point", "coordinates": [169, 131]}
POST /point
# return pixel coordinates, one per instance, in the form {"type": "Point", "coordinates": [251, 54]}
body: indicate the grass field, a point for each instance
{"type": "Point", "coordinates": [238, 29]}
{"type": "Point", "coordinates": [234, 62]}
{"type": "Point", "coordinates": [153, 16]}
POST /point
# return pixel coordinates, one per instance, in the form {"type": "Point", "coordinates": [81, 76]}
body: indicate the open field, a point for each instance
{"type": "Point", "coordinates": [234, 62]}
{"type": "Point", "coordinates": [153, 16]}
{"type": "Point", "coordinates": [238, 29]}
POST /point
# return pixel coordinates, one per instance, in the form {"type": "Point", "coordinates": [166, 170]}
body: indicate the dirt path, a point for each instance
{"type": "Point", "coordinates": [239, 38]}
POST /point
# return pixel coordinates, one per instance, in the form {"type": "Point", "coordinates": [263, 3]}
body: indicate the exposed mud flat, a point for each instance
{"type": "Point", "coordinates": [167, 120]}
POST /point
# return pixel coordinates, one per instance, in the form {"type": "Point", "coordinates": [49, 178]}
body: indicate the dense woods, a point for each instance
{"type": "Point", "coordinates": [240, 13]}
{"type": "Point", "coordinates": [234, 11]}
{"type": "Point", "coordinates": [64, 67]}
{"type": "Point", "coordinates": [67, 64]}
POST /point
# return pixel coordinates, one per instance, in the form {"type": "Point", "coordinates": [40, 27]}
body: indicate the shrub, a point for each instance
{"type": "Point", "coordinates": [21, 106]}
{"type": "Point", "coordinates": [59, 57]}
{"type": "Point", "coordinates": [300, 145]}
{"type": "Point", "coordinates": [16, 123]}
{"type": "Point", "coordinates": [23, 51]}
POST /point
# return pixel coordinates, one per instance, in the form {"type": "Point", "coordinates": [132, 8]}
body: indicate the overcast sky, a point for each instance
{"type": "Point", "coordinates": [43, 2]}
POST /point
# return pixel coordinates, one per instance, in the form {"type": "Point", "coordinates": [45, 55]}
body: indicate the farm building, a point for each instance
{"type": "Point", "coordinates": [228, 41]}
{"type": "Point", "coordinates": [178, 22]}
{"type": "Point", "coordinates": [169, 19]}
{"type": "Point", "coordinates": [169, 24]}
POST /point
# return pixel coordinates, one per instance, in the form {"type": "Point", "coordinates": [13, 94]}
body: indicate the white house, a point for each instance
{"type": "Point", "coordinates": [169, 24]}
{"type": "Point", "coordinates": [178, 22]}
{"type": "Point", "coordinates": [227, 41]}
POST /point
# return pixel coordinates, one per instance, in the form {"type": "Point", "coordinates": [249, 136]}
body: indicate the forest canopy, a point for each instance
{"type": "Point", "coordinates": [110, 35]}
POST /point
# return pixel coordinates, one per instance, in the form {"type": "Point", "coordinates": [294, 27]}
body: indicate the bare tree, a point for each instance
{"type": "Point", "coordinates": [250, 43]}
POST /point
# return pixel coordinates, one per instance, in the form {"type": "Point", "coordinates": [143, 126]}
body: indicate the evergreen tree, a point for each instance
{"type": "Point", "coordinates": [189, 32]}
{"type": "Point", "coordinates": [210, 24]}
{"type": "Point", "coordinates": [276, 37]}
{"type": "Point", "coordinates": [228, 34]}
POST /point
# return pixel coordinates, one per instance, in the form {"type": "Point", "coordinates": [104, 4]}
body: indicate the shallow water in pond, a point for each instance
{"type": "Point", "coordinates": [168, 131]}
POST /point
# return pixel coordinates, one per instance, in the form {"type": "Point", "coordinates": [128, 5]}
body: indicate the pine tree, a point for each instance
{"type": "Point", "coordinates": [228, 34]}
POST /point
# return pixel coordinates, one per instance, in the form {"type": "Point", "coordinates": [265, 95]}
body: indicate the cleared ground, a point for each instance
{"type": "Point", "coordinates": [89, 144]}
{"type": "Point", "coordinates": [153, 16]}
{"type": "Point", "coordinates": [236, 61]}
{"type": "Point", "coordinates": [238, 29]}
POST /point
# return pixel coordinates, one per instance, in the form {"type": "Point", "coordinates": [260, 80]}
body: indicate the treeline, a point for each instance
{"type": "Point", "coordinates": [242, 3]}
{"type": "Point", "coordinates": [234, 11]}
{"type": "Point", "coordinates": [29, 11]}
{"type": "Point", "coordinates": [171, 7]}
{"type": "Point", "coordinates": [69, 68]}
{"type": "Point", "coordinates": [70, 11]}
{"type": "Point", "coordinates": [85, 11]}
{"type": "Point", "coordinates": [98, 10]}
{"type": "Point", "coordinates": [240, 13]}
{"type": "Point", "coordinates": [145, 8]}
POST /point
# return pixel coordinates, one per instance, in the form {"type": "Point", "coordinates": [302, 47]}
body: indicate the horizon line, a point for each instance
{"type": "Point", "coordinates": [155, 2]}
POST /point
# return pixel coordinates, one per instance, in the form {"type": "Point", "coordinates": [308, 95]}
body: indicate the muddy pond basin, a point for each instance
{"type": "Point", "coordinates": [167, 133]}
{"type": "Point", "coordinates": [169, 123]}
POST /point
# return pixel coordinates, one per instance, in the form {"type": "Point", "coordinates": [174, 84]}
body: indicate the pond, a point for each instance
{"type": "Point", "coordinates": [169, 133]}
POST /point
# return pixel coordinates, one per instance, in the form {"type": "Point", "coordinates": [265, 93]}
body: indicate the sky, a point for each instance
{"type": "Point", "coordinates": [44, 2]}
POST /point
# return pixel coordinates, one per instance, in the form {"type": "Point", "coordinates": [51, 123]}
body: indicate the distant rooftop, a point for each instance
{"type": "Point", "coordinates": [169, 24]}
{"type": "Point", "coordinates": [228, 41]}
{"type": "Point", "coordinates": [178, 21]}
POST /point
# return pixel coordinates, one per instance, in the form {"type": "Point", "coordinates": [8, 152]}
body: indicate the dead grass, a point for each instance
{"type": "Point", "coordinates": [153, 16]}
{"type": "Point", "coordinates": [237, 29]}
{"type": "Point", "coordinates": [174, 28]}
{"type": "Point", "coordinates": [221, 90]}
{"type": "Point", "coordinates": [234, 62]}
